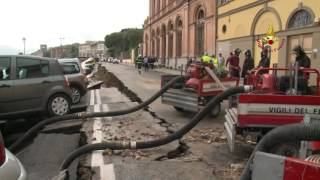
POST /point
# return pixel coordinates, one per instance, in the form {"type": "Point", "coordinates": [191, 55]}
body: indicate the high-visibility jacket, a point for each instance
{"type": "Point", "coordinates": [215, 62]}
{"type": "Point", "coordinates": [206, 59]}
{"type": "Point", "coordinates": [139, 60]}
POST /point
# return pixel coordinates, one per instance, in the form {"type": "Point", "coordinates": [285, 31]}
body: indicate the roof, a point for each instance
{"type": "Point", "coordinates": [29, 56]}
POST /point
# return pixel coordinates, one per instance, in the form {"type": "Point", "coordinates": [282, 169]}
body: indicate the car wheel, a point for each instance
{"type": "Point", "coordinates": [76, 95]}
{"type": "Point", "coordinates": [58, 105]}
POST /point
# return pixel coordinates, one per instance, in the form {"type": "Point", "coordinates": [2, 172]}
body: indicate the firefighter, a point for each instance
{"type": "Point", "coordinates": [248, 64]}
{"type": "Point", "coordinates": [215, 61]}
{"type": "Point", "coordinates": [233, 61]}
{"type": "Point", "coordinates": [206, 58]}
{"type": "Point", "coordinates": [265, 61]}
{"type": "Point", "coordinates": [304, 62]}
{"type": "Point", "coordinates": [301, 58]}
{"type": "Point", "coordinates": [139, 63]}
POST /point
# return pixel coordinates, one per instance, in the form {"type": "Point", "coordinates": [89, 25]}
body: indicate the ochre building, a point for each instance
{"type": "Point", "coordinates": [241, 23]}
{"type": "Point", "coordinates": [179, 29]}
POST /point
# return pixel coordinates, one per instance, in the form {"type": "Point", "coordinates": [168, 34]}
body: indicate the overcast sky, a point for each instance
{"type": "Point", "coordinates": [45, 21]}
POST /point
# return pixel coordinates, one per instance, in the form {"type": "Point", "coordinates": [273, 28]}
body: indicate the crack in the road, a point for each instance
{"type": "Point", "coordinates": [110, 80]}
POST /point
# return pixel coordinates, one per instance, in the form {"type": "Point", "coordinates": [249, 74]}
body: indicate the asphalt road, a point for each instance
{"type": "Point", "coordinates": [213, 152]}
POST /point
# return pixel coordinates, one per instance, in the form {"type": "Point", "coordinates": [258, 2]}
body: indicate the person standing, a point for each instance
{"type": "Point", "coordinates": [301, 58]}
{"type": "Point", "coordinates": [248, 64]}
{"type": "Point", "coordinates": [233, 61]}
{"type": "Point", "coordinates": [265, 61]}
{"type": "Point", "coordinates": [146, 64]}
{"type": "Point", "coordinates": [139, 63]}
{"type": "Point", "coordinates": [221, 60]}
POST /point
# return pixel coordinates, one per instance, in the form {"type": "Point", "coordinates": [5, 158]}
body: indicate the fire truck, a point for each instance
{"type": "Point", "coordinates": [281, 96]}
{"type": "Point", "coordinates": [200, 86]}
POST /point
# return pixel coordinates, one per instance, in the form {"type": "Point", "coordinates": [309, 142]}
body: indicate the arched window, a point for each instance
{"type": "Point", "coordinates": [158, 43]}
{"type": "Point", "coordinates": [179, 38]}
{"type": "Point", "coordinates": [170, 43]}
{"type": "Point", "coordinates": [153, 43]}
{"type": "Point", "coordinates": [300, 19]}
{"type": "Point", "coordinates": [146, 40]}
{"type": "Point", "coordinates": [200, 32]}
{"type": "Point", "coordinates": [163, 39]}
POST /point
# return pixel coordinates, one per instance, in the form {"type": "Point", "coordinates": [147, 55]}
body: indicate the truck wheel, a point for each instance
{"type": "Point", "coordinates": [287, 149]}
{"type": "Point", "coordinates": [215, 110]}
{"type": "Point", "coordinates": [179, 109]}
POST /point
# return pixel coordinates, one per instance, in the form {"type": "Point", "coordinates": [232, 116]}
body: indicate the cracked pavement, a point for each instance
{"type": "Point", "coordinates": [202, 154]}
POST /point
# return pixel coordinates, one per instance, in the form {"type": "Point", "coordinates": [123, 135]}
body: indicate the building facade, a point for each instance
{"type": "Point", "coordinates": [92, 49]}
{"type": "Point", "coordinates": [179, 29]}
{"type": "Point", "coordinates": [243, 24]}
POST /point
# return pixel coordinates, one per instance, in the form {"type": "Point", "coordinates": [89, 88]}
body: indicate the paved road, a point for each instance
{"type": "Point", "coordinates": [207, 141]}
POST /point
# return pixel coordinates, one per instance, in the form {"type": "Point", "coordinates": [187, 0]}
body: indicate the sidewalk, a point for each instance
{"type": "Point", "coordinates": [160, 70]}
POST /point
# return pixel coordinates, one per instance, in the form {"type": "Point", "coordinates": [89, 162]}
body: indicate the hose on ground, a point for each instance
{"type": "Point", "coordinates": [153, 143]}
{"type": "Point", "coordinates": [283, 134]}
{"type": "Point", "coordinates": [35, 129]}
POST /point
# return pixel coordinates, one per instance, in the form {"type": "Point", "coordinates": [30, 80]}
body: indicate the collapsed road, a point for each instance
{"type": "Point", "coordinates": [204, 149]}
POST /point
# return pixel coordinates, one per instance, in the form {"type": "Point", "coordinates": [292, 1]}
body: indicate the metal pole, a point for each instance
{"type": "Point", "coordinates": [24, 45]}
{"type": "Point", "coordinates": [296, 69]}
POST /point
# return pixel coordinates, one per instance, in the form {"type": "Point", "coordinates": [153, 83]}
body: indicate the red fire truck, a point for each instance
{"type": "Point", "coordinates": [200, 86]}
{"type": "Point", "coordinates": [278, 98]}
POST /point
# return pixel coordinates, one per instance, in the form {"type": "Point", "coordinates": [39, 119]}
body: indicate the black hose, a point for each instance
{"type": "Point", "coordinates": [154, 143]}
{"type": "Point", "coordinates": [31, 132]}
{"type": "Point", "coordinates": [283, 134]}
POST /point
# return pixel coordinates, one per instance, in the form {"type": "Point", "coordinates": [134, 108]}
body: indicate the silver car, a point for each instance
{"type": "Point", "coordinates": [32, 84]}
{"type": "Point", "coordinates": [76, 77]}
{"type": "Point", "coordinates": [10, 167]}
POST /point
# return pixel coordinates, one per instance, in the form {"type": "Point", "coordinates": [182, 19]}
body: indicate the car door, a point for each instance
{"type": "Point", "coordinates": [6, 85]}
{"type": "Point", "coordinates": [31, 83]}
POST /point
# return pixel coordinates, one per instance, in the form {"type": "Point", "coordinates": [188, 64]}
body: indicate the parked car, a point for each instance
{"type": "Point", "coordinates": [31, 85]}
{"type": "Point", "coordinates": [115, 61]}
{"type": "Point", "coordinates": [77, 78]}
{"type": "Point", "coordinates": [88, 65]}
{"type": "Point", "coordinates": [10, 166]}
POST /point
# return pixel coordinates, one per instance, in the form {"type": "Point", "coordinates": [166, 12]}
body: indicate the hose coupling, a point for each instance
{"type": "Point", "coordinates": [133, 145]}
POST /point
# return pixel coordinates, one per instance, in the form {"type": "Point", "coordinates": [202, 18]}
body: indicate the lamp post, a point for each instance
{"type": "Point", "coordinates": [24, 45]}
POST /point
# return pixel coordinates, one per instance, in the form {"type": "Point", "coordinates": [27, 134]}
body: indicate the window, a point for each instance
{"type": "Point", "coordinates": [31, 68]}
{"type": "Point", "coordinates": [300, 19]}
{"type": "Point", "coordinates": [70, 68]}
{"type": "Point", "coordinates": [200, 33]}
{"type": "Point", "coordinates": [221, 2]}
{"type": "Point", "coordinates": [5, 64]}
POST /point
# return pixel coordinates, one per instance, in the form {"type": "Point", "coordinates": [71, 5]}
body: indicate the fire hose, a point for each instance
{"type": "Point", "coordinates": [283, 134]}
{"type": "Point", "coordinates": [31, 132]}
{"type": "Point", "coordinates": [153, 143]}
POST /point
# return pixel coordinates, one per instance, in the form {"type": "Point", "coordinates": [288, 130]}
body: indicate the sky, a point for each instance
{"type": "Point", "coordinates": [46, 21]}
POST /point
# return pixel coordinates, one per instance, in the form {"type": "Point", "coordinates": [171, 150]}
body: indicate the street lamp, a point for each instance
{"type": "Point", "coordinates": [24, 45]}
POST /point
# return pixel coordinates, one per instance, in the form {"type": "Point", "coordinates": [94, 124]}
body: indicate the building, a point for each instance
{"type": "Point", "coordinates": [42, 52]}
{"type": "Point", "coordinates": [65, 51]}
{"type": "Point", "coordinates": [179, 29]}
{"type": "Point", "coordinates": [243, 24]}
{"type": "Point", "coordinates": [92, 49]}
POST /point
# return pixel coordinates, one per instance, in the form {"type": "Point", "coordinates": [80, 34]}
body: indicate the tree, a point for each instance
{"type": "Point", "coordinates": [122, 42]}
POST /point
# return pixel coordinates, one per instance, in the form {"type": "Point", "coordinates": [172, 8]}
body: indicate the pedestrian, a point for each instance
{"type": "Point", "coordinates": [146, 64]}
{"type": "Point", "coordinates": [233, 62]}
{"type": "Point", "coordinates": [151, 60]}
{"type": "Point", "coordinates": [248, 64]}
{"type": "Point", "coordinates": [265, 61]}
{"type": "Point", "coordinates": [139, 63]}
{"type": "Point", "coordinates": [221, 60]}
